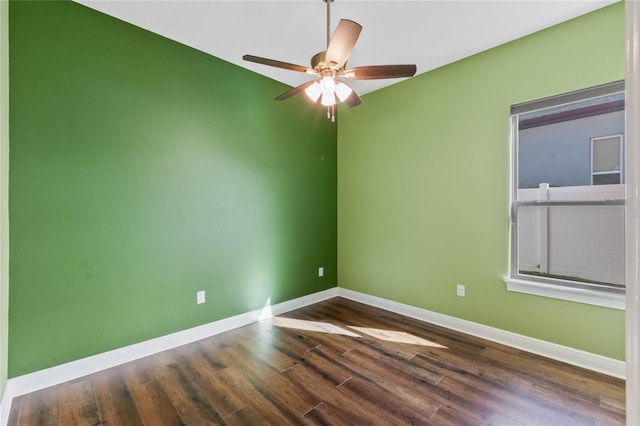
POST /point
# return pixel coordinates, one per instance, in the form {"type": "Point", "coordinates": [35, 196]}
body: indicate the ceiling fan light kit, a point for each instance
{"type": "Point", "coordinates": [329, 66]}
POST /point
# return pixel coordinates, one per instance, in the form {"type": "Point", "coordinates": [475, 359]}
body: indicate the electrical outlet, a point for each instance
{"type": "Point", "coordinates": [200, 297]}
{"type": "Point", "coordinates": [321, 271]}
{"type": "Point", "coordinates": [460, 290]}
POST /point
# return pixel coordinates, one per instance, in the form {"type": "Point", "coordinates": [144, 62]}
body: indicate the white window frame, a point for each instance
{"type": "Point", "coordinates": [544, 286]}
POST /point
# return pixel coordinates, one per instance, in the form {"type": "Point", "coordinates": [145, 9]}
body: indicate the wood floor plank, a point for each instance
{"type": "Point", "coordinates": [138, 372]}
{"type": "Point", "coordinates": [40, 408]}
{"type": "Point", "coordinates": [446, 417]}
{"type": "Point", "coordinates": [325, 414]}
{"type": "Point", "coordinates": [339, 343]}
{"type": "Point", "coordinates": [294, 348]}
{"type": "Point", "coordinates": [514, 406]}
{"type": "Point", "coordinates": [503, 384]}
{"type": "Point", "coordinates": [336, 362]}
{"type": "Point", "coordinates": [498, 419]}
{"type": "Point", "coordinates": [186, 396]}
{"type": "Point", "coordinates": [405, 411]}
{"type": "Point", "coordinates": [348, 404]}
{"type": "Point", "coordinates": [412, 408]}
{"type": "Point", "coordinates": [194, 364]}
{"type": "Point", "coordinates": [274, 410]}
{"type": "Point", "coordinates": [270, 382]}
{"type": "Point", "coordinates": [288, 341]}
{"type": "Point", "coordinates": [16, 408]}
{"type": "Point", "coordinates": [296, 341]}
{"type": "Point", "coordinates": [264, 351]}
{"type": "Point", "coordinates": [154, 406]}
{"type": "Point", "coordinates": [218, 355]}
{"type": "Point", "coordinates": [246, 416]}
{"type": "Point", "coordinates": [535, 367]}
{"type": "Point", "coordinates": [78, 405]}
{"type": "Point", "coordinates": [514, 380]}
{"type": "Point", "coordinates": [114, 399]}
{"type": "Point", "coordinates": [399, 384]}
{"type": "Point", "coordinates": [613, 404]}
{"type": "Point", "coordinates": [372, 353]}
{"type": "Point", "coordinates": [329, 371]}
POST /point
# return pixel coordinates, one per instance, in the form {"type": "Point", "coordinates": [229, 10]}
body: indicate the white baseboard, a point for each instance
{"type": "Point", "coordinates": [609, 366]}
{"type": "Point", "coordinates": [32, 382]}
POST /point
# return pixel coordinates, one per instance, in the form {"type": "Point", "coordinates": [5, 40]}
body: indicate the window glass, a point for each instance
{"type": "Point", "coordinates": [554, 144]}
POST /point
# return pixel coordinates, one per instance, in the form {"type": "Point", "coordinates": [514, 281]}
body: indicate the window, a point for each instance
{"type": "Point", "coordinates": [606, 160]}
{"type": "Point", "coordinates": [567, 213]}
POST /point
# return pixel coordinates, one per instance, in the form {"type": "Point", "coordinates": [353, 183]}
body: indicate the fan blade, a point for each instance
{"type": "Point", "coordinates": [277, 64]}
{"type": "Point", "coordinates": [373, 72]}
{"type": "Point", "coordinates": [294, 91]}
{"type": "Point", "coordinates": [353, 100]}
{"type": "Point", "coordinates": [342, 42]}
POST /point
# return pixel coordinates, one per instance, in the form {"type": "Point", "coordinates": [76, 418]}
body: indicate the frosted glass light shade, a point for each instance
{"type": "Point", "coordinates": [328, 99]}
{"type": "Point", "coordinates": [313, 91]}
{"type": "Point", "coordinates": [343, 91]}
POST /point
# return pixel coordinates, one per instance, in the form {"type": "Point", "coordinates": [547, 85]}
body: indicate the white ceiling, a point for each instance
{"type": "Point", "coordinates": [428, 33]}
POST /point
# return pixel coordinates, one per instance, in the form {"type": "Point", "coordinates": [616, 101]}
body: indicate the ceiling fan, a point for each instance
{"type": "Point", "coordinates": [329, 65]}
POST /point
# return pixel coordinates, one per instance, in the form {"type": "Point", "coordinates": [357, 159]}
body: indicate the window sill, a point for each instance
{"type": "Point", "coordinates": [590, 296]}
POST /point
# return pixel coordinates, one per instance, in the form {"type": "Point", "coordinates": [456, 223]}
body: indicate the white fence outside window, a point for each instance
{"type": "Point", "coordinates": [585, 242]}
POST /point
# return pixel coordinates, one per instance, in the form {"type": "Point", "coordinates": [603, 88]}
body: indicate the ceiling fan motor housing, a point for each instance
{"type": "Point", "coordinates": [318, 63]}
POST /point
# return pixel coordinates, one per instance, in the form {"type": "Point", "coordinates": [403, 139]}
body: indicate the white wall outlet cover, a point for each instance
{"type": "Point", "coordinates": [460, 290]}
{"type": "Point", "coordinates": [321, 271]}
{"type": "Point", "coordinates": [200, 297]}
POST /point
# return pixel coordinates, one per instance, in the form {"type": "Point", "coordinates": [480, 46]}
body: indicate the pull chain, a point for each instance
{"type": "Point", "coordinates": [331, 113]}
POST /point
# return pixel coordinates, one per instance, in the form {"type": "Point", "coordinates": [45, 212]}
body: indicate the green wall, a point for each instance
{"type": "Point", "coordinates": [423, 183]}
{"type": "Point", "coordinates": [142, 171]}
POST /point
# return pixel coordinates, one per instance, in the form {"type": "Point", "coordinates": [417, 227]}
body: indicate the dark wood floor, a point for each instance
{"type": "Point", "coordinates": [276, 372]}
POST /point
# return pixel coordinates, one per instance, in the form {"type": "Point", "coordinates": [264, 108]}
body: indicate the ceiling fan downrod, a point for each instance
{"type": "Point", "coordinates": [331, 110]}
{"type": "Point", "coordinates": [328, 2]}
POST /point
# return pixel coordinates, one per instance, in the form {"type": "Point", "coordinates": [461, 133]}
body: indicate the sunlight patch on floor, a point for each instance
{"type": "Point", "coordinates": [397, 337]}
{"type": "Point", "coordinates": [325, 327]}
{"type": "Point", "coordinates": [322, 327]}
